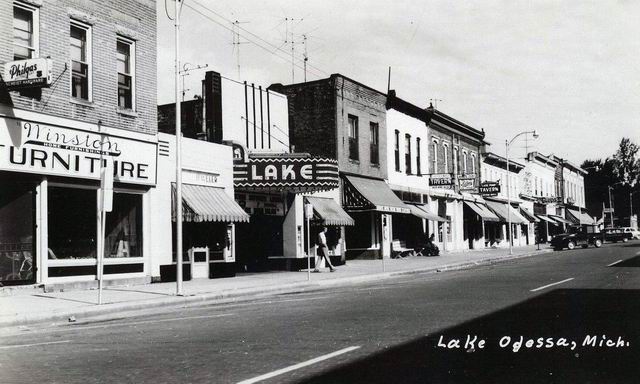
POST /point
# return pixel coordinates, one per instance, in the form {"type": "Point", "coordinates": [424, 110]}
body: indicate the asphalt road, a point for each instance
{"type": "Point", "coordinates": [406, 330]}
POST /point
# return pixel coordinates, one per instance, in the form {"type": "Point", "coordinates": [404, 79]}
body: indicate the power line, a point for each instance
{"type": "Point", "coordinates": [274, 48]}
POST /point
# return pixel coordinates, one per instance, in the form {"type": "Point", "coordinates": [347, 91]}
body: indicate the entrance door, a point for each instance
{"type": "Point", "coordinates": [200, 262]}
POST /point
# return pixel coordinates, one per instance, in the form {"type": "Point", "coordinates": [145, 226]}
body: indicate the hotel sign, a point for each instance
{"type": "Point", "coordinates": [283, 172]}
{"type": "Point", "coordinates": [29, 73]}
{"type": "Point", "coordinates": [31, 147]}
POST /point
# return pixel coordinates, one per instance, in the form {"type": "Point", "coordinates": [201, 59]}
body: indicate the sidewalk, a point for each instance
{"type": "Point", "coordinates": [31, 307]}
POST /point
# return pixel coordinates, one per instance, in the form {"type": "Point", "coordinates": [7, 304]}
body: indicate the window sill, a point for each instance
{"type": "Point", "coordinates": [127, 112]}
{"type": "Point", "coordinates": [84, 103]}
{"type": "Point", "coordinates": [354, 161]}
{"type": "Point", "coordinates": [375, 165]}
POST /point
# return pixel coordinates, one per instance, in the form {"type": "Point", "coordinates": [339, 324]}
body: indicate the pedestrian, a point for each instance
{"type": "Point", "coordinates": [323, 251]}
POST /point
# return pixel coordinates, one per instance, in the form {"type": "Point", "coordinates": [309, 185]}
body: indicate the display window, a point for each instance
{"type": "Point", "coordinates": [17, 211]}
{"type": "Point", "coordinates": [123, 230]}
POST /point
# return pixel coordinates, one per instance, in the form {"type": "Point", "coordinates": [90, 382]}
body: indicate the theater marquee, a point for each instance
{"type": "Point", "coordinates": [286, 173]}
{"type": "Point", "coordinates": [51, 150]}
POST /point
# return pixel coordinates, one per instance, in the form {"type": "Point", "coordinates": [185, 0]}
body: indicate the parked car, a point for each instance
{"type": "Point", "coordinates": [581, 237]}
{"type": "Point", "coordinates": [617, 234]}
{"type": "Point", "coordinates": [635, 234]}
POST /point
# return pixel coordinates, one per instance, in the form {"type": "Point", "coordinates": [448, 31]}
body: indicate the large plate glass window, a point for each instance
{"type": "Point", "coordinates": [72, 223]}
{"type": "Point", "coordinates": [126, 63]}
{"type": "Point", "coordinates": [80, 50]}
{"type": "Point", "coordinates": [124, 226]}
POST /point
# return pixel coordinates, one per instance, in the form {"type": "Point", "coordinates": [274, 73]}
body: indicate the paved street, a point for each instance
{"type": "Point", "coordinates": [372, 333]}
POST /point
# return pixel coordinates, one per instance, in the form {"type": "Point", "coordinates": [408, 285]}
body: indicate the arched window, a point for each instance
{"type": "Point", "coordinates": [464, 162]}
{"type": "Point", "coordinates": [445, 155]}
{"type": "Point", "coordinates": [473, 163]}
{"type": "Point", "coordinates": [434, 157]}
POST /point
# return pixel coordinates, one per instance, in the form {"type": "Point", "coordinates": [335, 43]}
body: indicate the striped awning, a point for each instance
{"type": "Point", "coordinates": [423, 212]}
{"type": "Point", "coordinates": [580, 217]}
{"type": "Point", "coordinates": [201, 203]}
{"type": "Point", "coordinates": [560, 219]}
{"type": "Point", "coordinates": [528, 215]}
{"type": "Point", "coordinates": [484, 213]}
{"type": "Point", "coordinates": [329, 212]}
{"type": "Point", "coordinates": [547, 219]}
{"type": "Point", "coordinates": [504, 212]}
{"type": "Point", "coordinates": [367, 194]}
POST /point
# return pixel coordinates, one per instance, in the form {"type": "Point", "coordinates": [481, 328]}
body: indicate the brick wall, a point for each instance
{"type": "Point", "coordinates": [312, 126]}
{"type": "Point", "coordinates": [134, 19]}
{"type": "Point", "coordinates": [452, 139]}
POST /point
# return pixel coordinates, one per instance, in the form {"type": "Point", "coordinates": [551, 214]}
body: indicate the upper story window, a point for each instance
{"type": "Point", "coordinates": [434, 157]}
{"type": "Point", "coordinates": [80, 49]}
{"type": "Point", "coordinates": [445, 158]}
{"type": "Point", "coordinates": [456, 166]}
{"type": "Point", "coordinates": [397, 150]}
{"type": "Point", "coordinates": [407, 153]}
{"type": "Point", "coordinates": [373, 144]}
{"type": "Point", "coordinates": [464, 162]}
{"type": "Point", "coordinates": [353, 138]}
{"type": "Point", "coordinates": [418, 170]}
{"type": "Point", "coordinates": [25, 31]}
{"type": "Point", "coordinates": [473, 163]}
{"type": "Point", "coordinates": [126, 71]}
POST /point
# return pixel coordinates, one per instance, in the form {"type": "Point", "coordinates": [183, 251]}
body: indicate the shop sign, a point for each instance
{"type": "Point", "coordinates": [547, 199]}
{"type": "Point", "coordinates": [29, 73]}
{"type": "Point", "coordinates": [441, 180]}
{"type": "Point", "coordinates": [208, 179]}
{"type": "Point", "coordinates": [308, 173]}
{"type": "Point", "coordinates": [467, 184]}
{"type": "Point", "coordinates": [489, 188]}
{"type": "Point", "coordinates": [51, 150]}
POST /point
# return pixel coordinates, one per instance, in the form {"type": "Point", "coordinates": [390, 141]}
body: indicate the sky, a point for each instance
{"type": "Point", "coordinates": [567, 69]}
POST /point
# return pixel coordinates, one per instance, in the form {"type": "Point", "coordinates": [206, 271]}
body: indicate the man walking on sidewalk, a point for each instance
{"type": "Point", "coordinates": [323, 251]}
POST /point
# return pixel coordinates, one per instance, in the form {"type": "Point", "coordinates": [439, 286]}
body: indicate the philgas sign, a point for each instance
{"type": "Point", "coordinates": [28, 73]}
{"type": "Point", "coordinates": [51, 150]}
{"type": "Point", "coordinates": [489, 188]}
{"type": "Point", "coordinates": [282, 172]}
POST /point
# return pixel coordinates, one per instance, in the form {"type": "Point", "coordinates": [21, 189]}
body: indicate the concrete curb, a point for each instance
{"type": "Point", "coordinates": [124, 309]}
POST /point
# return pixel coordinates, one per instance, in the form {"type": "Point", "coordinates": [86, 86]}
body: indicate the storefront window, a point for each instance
{"type": "Point", "coordinates": [16, 233]}
{"type": "Point", "coordinates": [123, 230]}
{"type": "Point", "coordinates": [72, 223]}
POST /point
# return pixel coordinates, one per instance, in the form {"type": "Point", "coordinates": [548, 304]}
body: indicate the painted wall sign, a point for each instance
{"type": "Point", "coordinates": [467, 184]}
{"type": "Point", "coordinates": [490, 188]}
{"type": "Point", "coordinates": [28, 73]}
{"type": "Point", "coordinates": [209, 179]}
{"type": "Point", "coordinates": [51, 150]}
{"type": "Point", "coordinates": [308, 173]}
{"type": "Point", "coordinates": [441, 180]}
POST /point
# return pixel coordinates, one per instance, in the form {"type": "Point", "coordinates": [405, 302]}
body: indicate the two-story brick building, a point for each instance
{"type": "Point", "coordinates": [77, 96]}
{"type": "Point", "coordinates": [340, 118]}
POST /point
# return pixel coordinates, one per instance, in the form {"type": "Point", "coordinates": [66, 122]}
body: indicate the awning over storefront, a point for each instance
{"type": "Point", "coordinates": [579, 217]}
{"type": "Point", "coordinates": [547, 219]}
{"type": "Point", "coordinates": [201, 203]}
{"type": "Point", "coordinates": [422, 212]}
{"type": "Point", "coordinates": [561, 219]}
{"type": "Point", "coordinates": [329, 212]}
{"type": "Point", "coordinates": [484, 213]}
{"type": "Point", "coordinates": [502, 210]}
{"type": "Point", "coordinates": [364, 194]}
{"type": "Point", "coordinates": [528, 215]}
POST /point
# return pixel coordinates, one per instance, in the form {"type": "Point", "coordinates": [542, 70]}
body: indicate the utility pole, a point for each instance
{"type": "Point", "coordinates": [305, 55]}
{"type": "Point", "coordinates": [178, 153]}
{"type": "Point", "coordinates": [290, 39]}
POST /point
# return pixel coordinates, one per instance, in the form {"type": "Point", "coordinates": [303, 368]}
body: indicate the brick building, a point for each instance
{"type": "Point", "coordinates": [340, 118]}
{"type": "Point", "coordinates": [77, 94]}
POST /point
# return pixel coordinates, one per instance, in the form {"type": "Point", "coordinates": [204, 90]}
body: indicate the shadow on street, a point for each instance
{"type": "Point", "coordinates": [565, 314]}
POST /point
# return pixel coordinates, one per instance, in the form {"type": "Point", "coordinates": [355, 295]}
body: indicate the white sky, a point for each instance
{"type": "Point", "coordinates": [568, 69]}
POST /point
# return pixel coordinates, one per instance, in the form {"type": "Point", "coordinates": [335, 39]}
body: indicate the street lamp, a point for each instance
{"type": "Point", "coordinates": [507, 145]}
{"type": "Point", "coordinates": [609, 188]}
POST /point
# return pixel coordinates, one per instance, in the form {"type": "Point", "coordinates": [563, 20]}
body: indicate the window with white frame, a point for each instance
{"type": "Point", "coordinates": [445, 155]}
{"type": "Point", "coordinates": [434, 157]}
{"type": "Point", "coordinates": [464, 162]}
{"type": "Point", "coordinates": [80, 50]}
{"type": "Point", "coordinates": [126, 73]}
{"type": "Point", "coordinates": [25, 31]}
{"type": "Point", "coordinates": [473, 163]}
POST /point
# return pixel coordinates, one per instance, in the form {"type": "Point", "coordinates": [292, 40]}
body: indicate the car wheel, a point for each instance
{"type": "Point", "coordinates": [597, 243]}
{"type": "Point", "coordinates": [571, 245]}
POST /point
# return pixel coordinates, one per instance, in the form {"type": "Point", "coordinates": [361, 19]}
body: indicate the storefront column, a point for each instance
{"type": "Point", "coordinates": [42, 244]}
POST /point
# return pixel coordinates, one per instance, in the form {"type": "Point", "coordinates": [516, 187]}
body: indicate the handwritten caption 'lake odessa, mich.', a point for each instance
{"type": "Point", "coordinates": [472, 343]}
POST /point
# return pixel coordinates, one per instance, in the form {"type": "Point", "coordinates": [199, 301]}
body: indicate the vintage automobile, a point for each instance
{"type": "Point", "coordinates": [577, 237]}
{"type": "Point", "coordinates": [635, 234]}
{"type": "Point", "coordinates": [617, 234]}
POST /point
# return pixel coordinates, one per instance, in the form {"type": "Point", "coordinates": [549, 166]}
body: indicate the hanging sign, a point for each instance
{"type": "Point", "coordinates": [441, 180]}
{"type": "Point", "coordinates": [490, 188]}
{"type": "Point", "coordinates": [29, 73]}
{"type": "Point", "coordinates": [467, 184]}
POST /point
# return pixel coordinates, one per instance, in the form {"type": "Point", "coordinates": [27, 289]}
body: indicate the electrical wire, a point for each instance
{"type": "Point", "coordinates": [273, 48]}
{"type": "Point", "coordinates": [166, 10]}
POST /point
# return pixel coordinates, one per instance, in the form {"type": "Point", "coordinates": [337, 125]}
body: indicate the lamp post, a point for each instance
{"type": "Point", "coordinates": [609, 188]}
{"type": "Point", "coordinates": [507, 145]}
